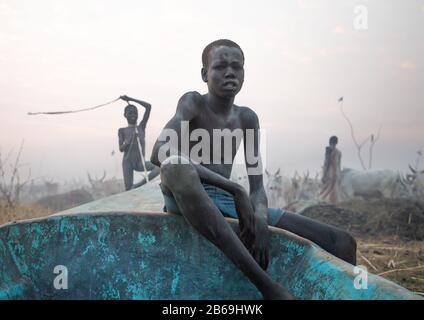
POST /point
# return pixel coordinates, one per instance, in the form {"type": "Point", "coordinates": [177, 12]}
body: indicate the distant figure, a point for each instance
{"type": "Point", "coordinates": [331, 172]}
{"type": "Point", "coordinates": [133, 160]}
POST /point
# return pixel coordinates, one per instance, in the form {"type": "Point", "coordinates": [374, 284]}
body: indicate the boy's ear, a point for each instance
{"type": "Point", "coordinates": [204, 74]}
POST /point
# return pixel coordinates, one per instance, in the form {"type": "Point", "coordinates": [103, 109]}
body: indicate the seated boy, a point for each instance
{"type": "Point", "coordinates": [196, 184]}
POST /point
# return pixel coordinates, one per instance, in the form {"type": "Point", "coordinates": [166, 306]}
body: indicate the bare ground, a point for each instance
{"type": "Point", "coordinates": [397, 260]}
{"type": "Point", "coordinates": [389, 232]}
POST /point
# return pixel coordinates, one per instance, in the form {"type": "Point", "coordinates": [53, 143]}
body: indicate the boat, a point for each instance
{"type": "Point", "coordinates": [125, 247]}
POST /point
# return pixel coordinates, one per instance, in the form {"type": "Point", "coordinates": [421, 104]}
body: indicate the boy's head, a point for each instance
{"type": "Point", "coordinates": [333, 140]}
{"type": "Point", "coordinates": [223, 67]}
{"type": "Point", "coordinates": [131, 114]}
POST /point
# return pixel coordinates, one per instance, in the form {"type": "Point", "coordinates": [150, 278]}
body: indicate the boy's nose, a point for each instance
{"type": "Point", "coordinates": [229, 72]}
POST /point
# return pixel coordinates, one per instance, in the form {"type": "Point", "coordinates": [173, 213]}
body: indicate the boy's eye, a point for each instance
{"type": "Point", "coordinates": [220, 67]}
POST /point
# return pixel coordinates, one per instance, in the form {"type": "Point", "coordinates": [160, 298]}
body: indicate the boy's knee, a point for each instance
{"type": "Point", "coordinates": [177, 170]}
{"type": "Point", "coordinates": [346, 245]}
{"type": "Point", "coordinates": [348, 241]}
{"type": "Point", "coordinates": [174, 159]}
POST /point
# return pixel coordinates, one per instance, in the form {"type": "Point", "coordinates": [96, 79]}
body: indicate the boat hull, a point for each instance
{"type": "Point", "coordinates": [114, 248]}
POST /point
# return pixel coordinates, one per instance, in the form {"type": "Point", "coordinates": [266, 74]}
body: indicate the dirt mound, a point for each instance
{"type": "Point", "coordinates": [383, 217]}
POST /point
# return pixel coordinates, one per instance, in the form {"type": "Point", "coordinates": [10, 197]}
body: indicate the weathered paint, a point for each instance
{"type": "Point", "coordinates": [113, 254]}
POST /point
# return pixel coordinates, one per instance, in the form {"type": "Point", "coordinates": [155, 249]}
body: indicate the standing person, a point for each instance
{"type": "Point", "coordinates": [331, 172]}
{"type": "Point", "coordinates": [134, 158]}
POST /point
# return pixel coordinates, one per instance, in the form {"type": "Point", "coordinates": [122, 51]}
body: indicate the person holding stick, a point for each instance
{"type": "Point", "coordinates": [132, 143]}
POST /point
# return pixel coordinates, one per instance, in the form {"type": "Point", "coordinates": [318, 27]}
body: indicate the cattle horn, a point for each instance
{"type": "Point", "coordinates": [104, 176]}
{"type": "Point", "coordinates": [403, 180]}
{"type": "Point", "coordinates": [412, 169]}
{"type": "Point", "coordinates": [89, 179]}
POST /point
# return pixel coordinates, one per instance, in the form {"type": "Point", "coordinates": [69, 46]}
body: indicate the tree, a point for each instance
{"type": "Point", "coordinates": [10, 180]}
{"type": "Point", "coordinates": [372, 139]}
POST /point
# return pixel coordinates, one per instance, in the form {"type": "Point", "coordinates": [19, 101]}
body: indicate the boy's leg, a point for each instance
{"type": "Point", "coordinates": [128, 171]}
{"type": "Point", "coordinates": [202, 214]}
{"type": "Point", "coordinates": [337, 242]}
{"type": "Point", "coordinates": [153, 172]}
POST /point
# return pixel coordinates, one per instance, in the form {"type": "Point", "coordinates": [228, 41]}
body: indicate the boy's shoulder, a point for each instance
{"type": "Point", "coordinates": [247, 115]}
{"type": "Point", "coordinates": [192, 96]}
{"type": "Point", "coordinates": [188, 105]}
{"type": "Point", "coordinates": [123, 129]}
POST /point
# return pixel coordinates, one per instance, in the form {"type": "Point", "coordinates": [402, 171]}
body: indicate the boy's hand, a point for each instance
{"type": "Point", "coordinates": [261, 244]}
{"type": "Point", "coordinates": [253, 229]}
{"type": "Point", "coordinates": [125, 98]}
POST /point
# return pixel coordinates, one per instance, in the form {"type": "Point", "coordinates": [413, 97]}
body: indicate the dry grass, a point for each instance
{"type": "Point", "coordinates": [399, 261]}
{"type": "Point", "coordinates": [389, 232]}
{"type": "Point", "coordinates": [21, 212]}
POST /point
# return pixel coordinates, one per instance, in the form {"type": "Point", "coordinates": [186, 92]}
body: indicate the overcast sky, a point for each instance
{"type": "Point", "coordinates": [301, 56]}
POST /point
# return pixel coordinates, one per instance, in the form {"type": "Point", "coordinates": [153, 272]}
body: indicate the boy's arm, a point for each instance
{"type": "Point", "coordinates": [186, 110]}
{"type": "Point", "coordinates": [326, 166]}
{"type": "Point", "coordinates": [188, 107]}
{"type": "Point", "coordinates": [123, 146]}
{"type": "Point", "coordinates": [257, 195]}
{"type": "Point", "coordinates": [253, 162]}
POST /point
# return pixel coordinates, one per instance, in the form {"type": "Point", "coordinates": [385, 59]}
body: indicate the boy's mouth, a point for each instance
{"type": "Point", "coordinates": [232, 84]}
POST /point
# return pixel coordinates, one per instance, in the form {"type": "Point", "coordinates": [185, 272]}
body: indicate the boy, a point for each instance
{"type": "Point", "coordinates": [128, 144]}
{"type": "Point", "coordinates": [203, 193]}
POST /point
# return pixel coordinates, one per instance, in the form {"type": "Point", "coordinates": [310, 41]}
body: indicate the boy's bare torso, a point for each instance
{"type": "Point", "coordinates": [223, 71]}
{"type": "Point", "coordinates": [206, 118]}
{"type": "Point", "coordinates": [128, 134]}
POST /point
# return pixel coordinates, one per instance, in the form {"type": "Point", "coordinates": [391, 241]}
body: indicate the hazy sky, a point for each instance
{"type": "Point", "coordinates": [301, 56]}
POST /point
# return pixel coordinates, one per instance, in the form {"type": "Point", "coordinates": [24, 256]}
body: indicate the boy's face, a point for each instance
{"type": "Point", "coordinates": [131, 114]}
{"type": "Point", "coordinates": [225, 71]}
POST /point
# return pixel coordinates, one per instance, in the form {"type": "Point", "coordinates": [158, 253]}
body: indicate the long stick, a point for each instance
{"type": "Point", "coordinates": [404, 269]}
{"type": "Point", "coordinates": [367, 261]}
{"type": "Point", "coordinates": [72, 111]}
{"type": "Point", "coordinates": [146, 175]}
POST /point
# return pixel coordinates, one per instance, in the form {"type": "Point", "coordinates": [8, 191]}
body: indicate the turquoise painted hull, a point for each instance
{"type": "Point", "coordinates": [133, 254]}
